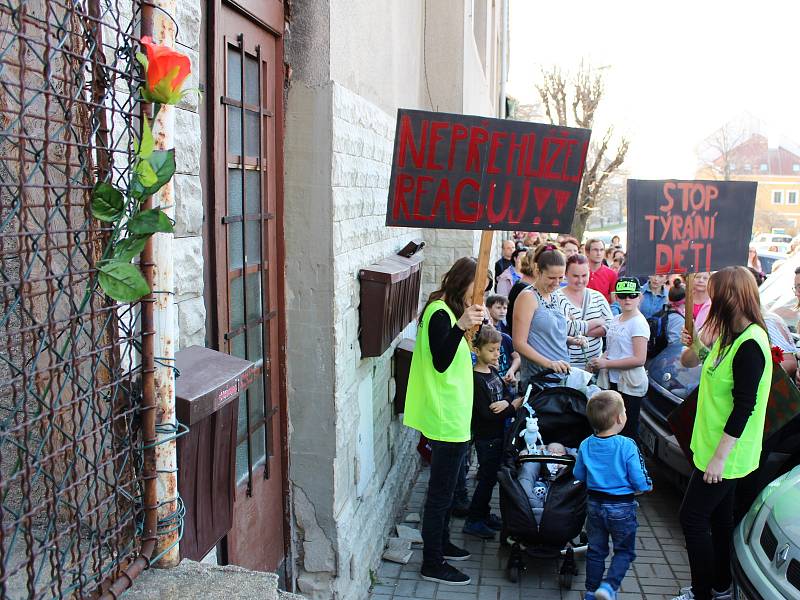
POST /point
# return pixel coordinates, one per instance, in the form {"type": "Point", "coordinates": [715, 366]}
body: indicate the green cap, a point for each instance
{"type": "Point", "coordinates": [627, 285]}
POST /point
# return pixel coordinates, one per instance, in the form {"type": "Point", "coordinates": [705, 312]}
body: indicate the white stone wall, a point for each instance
{"type": "Point", "coordinates": [188, 244]}
{"type": "Point", "coordinates": [362, 152]}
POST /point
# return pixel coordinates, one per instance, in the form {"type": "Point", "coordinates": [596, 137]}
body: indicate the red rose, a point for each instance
{"type": "Point", "coordinates": [777, 355]}
{"type": "Point", "coordinates": [166, 72]}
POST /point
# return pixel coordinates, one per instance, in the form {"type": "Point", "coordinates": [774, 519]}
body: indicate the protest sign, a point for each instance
{"type": "Point", "coordinates": [679, 226]}
{"type": "Point", "coordinates": [467, 172]}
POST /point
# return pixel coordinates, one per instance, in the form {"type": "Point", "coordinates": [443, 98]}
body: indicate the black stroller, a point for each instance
{"type": "Point", "coordinates": [562, 418]}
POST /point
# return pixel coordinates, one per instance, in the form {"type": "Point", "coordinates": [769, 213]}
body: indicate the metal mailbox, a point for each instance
{"type": "Point", "coordinates": [402, 367]}
{"type": "Point", "coordinates": [389, 301]}
{"type": "Point", "coordinates": [207, 401]}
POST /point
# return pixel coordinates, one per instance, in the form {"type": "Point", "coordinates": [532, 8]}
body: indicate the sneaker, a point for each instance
{"type": "Point", "coordinates": [494, 522]}
{"type": "Point", "coordinates": [453, 552]}
{"type": "Point", "coordinates": [444, 573]}
{"type": "Point", "coordinates": [478, 529]}
{"type": "Point", "coordinates": [687, 594]}
{"type": "Point", "coordinates": [605, 592]}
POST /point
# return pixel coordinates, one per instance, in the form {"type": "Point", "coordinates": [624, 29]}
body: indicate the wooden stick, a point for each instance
{"type": "Point", "coordinates": [688, 321]}
{"type": "Point", "coordinates": [480, 276]}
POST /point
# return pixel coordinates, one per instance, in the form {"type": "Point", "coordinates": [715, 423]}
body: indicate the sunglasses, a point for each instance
{"type": "Point", "coordinates": [627, 296]}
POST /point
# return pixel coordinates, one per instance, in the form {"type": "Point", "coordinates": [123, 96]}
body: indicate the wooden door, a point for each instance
{"type": "Point", "coordinates": [246, 89]}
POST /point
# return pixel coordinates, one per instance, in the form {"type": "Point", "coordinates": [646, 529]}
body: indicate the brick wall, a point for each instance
{"type": "Point", "coordinates": [361, 158]}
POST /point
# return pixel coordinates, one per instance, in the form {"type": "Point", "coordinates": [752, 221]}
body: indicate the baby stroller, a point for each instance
{"type": "Point", "coordinates": [561, 412]}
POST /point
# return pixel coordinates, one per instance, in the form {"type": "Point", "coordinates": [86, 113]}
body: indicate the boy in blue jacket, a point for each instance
{"type": "Point", "coordinates": [613, 469]}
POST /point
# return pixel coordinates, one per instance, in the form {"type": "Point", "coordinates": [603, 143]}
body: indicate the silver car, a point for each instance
{"type": "Point", "coordinates": [766, 543]}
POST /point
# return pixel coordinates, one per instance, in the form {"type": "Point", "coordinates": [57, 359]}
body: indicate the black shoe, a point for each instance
{"type": "Point", "coordinates": [444, 573]}
{"type": "Point", "coordinates": [460, 510]}
{"type": "Point", "coordinates": [453, 552]}
{"type": "Point", "coordinates": [494, 522]}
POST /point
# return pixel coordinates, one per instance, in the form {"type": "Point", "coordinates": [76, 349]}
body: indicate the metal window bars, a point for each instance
{"type": "Point", "coordinates": [78, 505]}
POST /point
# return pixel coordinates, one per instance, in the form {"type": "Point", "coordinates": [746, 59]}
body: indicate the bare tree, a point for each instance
{"type": "Point", "coordinates": [573, 101]}
{"type": "Point", "coordinates": [717, 151]}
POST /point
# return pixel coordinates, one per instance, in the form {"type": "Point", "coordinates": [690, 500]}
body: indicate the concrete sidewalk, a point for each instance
{"type": "Point", "coordinates": [660, 570]}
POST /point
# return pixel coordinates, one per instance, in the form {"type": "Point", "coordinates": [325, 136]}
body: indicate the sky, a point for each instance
{"type": "Point", "coordinates": [675, 71]}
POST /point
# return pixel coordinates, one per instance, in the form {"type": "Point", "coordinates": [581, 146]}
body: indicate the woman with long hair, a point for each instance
{"type": "Point", "coordinates": [587, 311]}
{"type": "Point", "coordinates": [728, 427]}
{"type": "Point", "coordinates": [439, 405]}
{"type": "Point", "coordinates": [540, 328]}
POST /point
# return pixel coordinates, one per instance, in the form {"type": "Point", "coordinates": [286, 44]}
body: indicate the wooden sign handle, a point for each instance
{"type": "Point", "coordinates": [688, 322]}
{"type": "Point", "coordinates": [480, 276]}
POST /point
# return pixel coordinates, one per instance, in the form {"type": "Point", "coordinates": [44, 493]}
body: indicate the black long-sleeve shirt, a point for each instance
{"type": "Point", "coordinates": [748, 367]}
{"type": "Point", "coordinates": [443, 339]}
{"type": "Point", "coordinates": [488, 388]}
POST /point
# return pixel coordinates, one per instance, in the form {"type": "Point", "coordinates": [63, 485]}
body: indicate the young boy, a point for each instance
{"type": "Point", "coordinates": [490, 408]}
{"type": "Point", "coordinates": [509, 361]}
{"type": "Point", "coordinates": [614, 472]}
{"type": "Point", "coordinates": [497, 306]}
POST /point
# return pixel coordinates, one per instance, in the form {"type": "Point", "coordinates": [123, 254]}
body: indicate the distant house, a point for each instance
{"type": "Point", "coordinates": [750, 156]}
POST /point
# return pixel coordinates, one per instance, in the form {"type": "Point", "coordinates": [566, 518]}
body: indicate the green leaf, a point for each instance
{"type": "Point", "coordinates": [107, 203]}
{"type": "Point", "coordinates": [129, 248]}
{"type": "Point", "coordinates": [145, 173]}
{"type": "Point", "coordinates": [122, 281]}
{"type": "Point", "coordinates": [150, 221]}
{"type": "Point", "coordinates": [162, 164]}
{"type": "Point", "coordinates": [143, 61]}
{"type": "Point", "coordinates": [147, 145]}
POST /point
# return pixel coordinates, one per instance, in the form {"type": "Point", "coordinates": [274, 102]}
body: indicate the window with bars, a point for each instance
{"type": "Point", "coordinates": [248, 315]}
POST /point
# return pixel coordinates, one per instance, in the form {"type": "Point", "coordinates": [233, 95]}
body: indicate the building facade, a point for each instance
{"type": "Point", "coordinates": [751, 157]}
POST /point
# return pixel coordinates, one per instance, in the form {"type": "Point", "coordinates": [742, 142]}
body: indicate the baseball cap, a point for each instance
{"type": "Point", "coordinates": [627, 285]}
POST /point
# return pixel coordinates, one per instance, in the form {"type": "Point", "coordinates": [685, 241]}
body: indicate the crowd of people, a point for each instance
{"type": "Point", "coordinates": [556, 306]}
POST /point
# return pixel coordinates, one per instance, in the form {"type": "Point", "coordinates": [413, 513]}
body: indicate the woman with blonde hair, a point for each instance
{"type": "Point", "coordinates": [728, 427]}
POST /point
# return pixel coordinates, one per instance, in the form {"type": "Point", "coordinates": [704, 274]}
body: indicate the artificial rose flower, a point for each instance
{"type": "Point", "coordinates": [166, 72]}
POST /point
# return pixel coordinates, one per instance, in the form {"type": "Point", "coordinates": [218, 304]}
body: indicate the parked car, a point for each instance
{"type": "Point", "coordinates": [770, 260]}
{"type": "Point", "coordinates": [670, 384]}
{"type": "Point", "coordinates": [766, 543]}
{"type": "Point", "coordinates": [772, 238]}
{"type": "Point", "coordinates": [777, 293]}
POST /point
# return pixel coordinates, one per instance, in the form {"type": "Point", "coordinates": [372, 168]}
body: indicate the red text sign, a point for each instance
{"type": "Point", "coordinates": [467, 172]}
{"type": "Point", "coordinates": [688, 226]}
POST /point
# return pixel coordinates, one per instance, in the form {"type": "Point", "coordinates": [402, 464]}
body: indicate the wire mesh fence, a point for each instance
{"type": "Point", "coordinates": [71, 457]}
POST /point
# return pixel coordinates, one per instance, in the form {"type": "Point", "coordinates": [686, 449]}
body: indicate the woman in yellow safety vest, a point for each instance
{"type": "Point", "coordinates": [728, 427]}
{"type": "Point", "coordinates": [439, 405]}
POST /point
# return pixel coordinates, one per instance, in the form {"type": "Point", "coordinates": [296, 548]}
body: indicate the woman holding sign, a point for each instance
{"type": "Point", "coordinates": [540, 327]}
{"type": "Point", "coordinates": [728, 427]}
{"type": "Point", "coordinates": [439, 405]}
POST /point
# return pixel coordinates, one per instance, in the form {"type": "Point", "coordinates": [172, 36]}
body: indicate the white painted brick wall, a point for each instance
{"type": "Point", "coordinates": [187, 247]}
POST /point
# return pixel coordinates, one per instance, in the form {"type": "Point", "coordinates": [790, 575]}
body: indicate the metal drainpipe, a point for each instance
{"type": "Point", "coordinates": [503, 60]}
{"type": "Point", "coordinates": [159, 472]}
{"type": "Point", "coordinates": [163, 285]}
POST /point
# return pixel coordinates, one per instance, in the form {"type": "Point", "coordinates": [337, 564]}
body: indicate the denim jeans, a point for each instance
{"type": "Point", "coordinates": [461, 494]}
{"type": "Point", "coordinates": [707, 521]}
{"type": "Point", "coordinates": [617, 520]}
{"type": "Point", "coordinates": [489, 453]}
{"type": "Point", "coordinates": [446, 461]}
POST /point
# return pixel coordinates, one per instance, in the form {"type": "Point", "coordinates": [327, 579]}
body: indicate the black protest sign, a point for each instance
{"type": "Point", "coordinates": [679, 226]}
{"type": "Point", "coordinates": [468, 172]}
